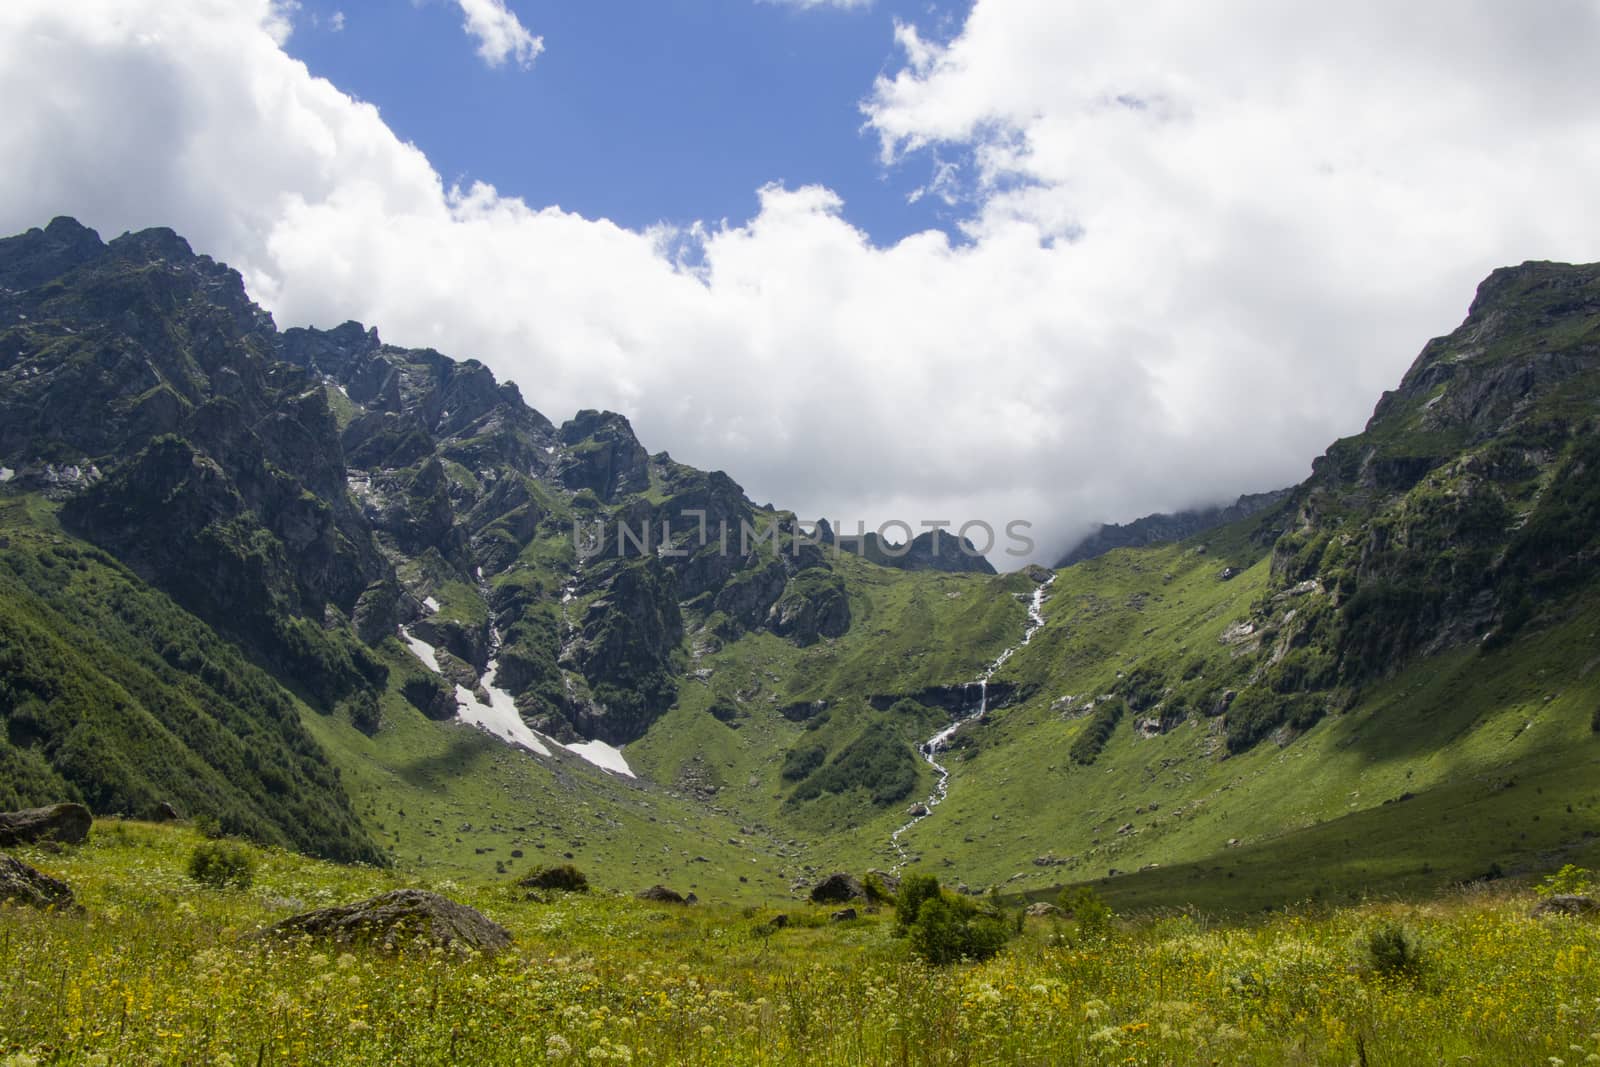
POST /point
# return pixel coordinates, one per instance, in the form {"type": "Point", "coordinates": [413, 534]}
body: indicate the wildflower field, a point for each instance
{"type": "Point", "coordinates": [158, 968]}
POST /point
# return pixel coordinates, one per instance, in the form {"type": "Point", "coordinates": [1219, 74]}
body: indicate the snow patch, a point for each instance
{"type": "Point", "coordinates": [421, 649]}
{"type": "Point", "coordinates": [603, 756]}
{"type": "Point", "coordinates": [430, 603]}
{"type": "Point", "coordinates": [500, 716]}
{"type": "Point", "coordinates": [6, 474]}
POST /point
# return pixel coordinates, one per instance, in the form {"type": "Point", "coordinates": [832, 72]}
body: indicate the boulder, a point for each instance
{"type": "Point", "coordinates": [838, 889]}
{"type": "Point", "coordinates": [395, 919]}
{"type": "Point", "coordinates": [565, 878]}
{"type": "Point", "coordinates": [67, 823]}
{"type": "Point", "coordinates": [1043, 909]}
{"type": "Point", "coordinates": [660, 894]}
{"type": "Point", "coordinates": [889, 881]}
{"type": "Point", "coordinates": [1580, 907]}
{"type": "Point", "coordinates": [24, 885]}
{"type": "Point", "coordinates": [844, 915]}
{"type": "Point", "coordinates": [164, 812]}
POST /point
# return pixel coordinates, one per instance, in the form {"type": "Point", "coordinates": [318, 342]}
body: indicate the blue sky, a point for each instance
{"type": "Point", "coordinates": [640, 112]}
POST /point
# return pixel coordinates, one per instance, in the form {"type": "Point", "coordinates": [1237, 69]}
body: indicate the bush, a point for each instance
{"type": "Point", "coordinates": [1594, 723]}
{"type": "Point", "coordinates": [915, 890]}
{"type": "Point", "coordinates": [1088, 908]}
{"type": "Point", "coordinates": [219, 864]}
{"type": "Point", "coordinates": [1567, 882]}
{"type": "Point", "coordinates": [363, 710]}
{"type": "Point", "coordinates": [800, 762]}
{"type": "Point", "coordinates": [564, 878]}
{"type": "Point", "coordinates": [1394, 949]}
{"type": "Point", "coordinates": [948, 930]}
{"type": "Point", "coordinates": [943, 928]}
{"type": "Point", "coordinates": [1097, 731]}
{"type": "Point", "coordinates": [878, 761]}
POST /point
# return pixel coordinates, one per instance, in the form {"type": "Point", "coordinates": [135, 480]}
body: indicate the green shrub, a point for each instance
{"type": "Point", "coordinates": [1594, 723]}
{"type": "Point", "coordinates": [220, 864]}
{"type": "Point", "coordinates": [800, 762]}
{"type": "Point", "coordinates": [564, 878]}
{"type": "Point", "coordinates": [1142, 688]}
{"type": "Point", "coordinates": [1097, 731]}
{"type": "Point", "coordinates": [727, 712]}
{"type": "Point", "coordinates": [1088, 908]}
{"type": "Point", "coordinates": [364, 711]}
{"type": "Point", "coordinates": [1394, 949]}
{"type": "Point", "coordinates": [949, 929]}
{"type": "Point", "coordinates": [1568, 881]}
{"type": "Point", "coordinates": [878, 760]}
{"type": "Point", "coordinates": [915, 890]}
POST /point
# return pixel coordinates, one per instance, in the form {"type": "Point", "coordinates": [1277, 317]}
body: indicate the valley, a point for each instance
{"type": "Point", "coordinates": [386, 537]}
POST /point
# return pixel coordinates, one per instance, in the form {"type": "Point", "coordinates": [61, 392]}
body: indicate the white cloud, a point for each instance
{"type": "Point", "coordinates": [499, 33]}
{"type": "Point", "coordinates": [1201, 243]}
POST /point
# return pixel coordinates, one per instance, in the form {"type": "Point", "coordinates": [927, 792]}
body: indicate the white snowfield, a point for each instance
{"type": "Point", "coordinates": [501, 718]}
{"type": "Point", "coordinates": [431, 604]}
{"type": "Point", "coordinates": [421, 649]}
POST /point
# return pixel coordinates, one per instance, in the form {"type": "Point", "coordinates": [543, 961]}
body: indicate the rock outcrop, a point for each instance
{"type": "Point", "coordinates": [66, 823]}
{"type": "Point", "coordinates": [21, 884]}
{"type": "Point", "coordinates": [838, 889]}
{"type": "Point", "coordinates": [401, 919]}
{"type": "Point", "coordinates": [1567, 904]}
{"type": "Point", "coordinates": [660, 894]}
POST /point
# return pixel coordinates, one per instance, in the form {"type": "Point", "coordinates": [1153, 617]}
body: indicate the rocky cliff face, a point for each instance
{"type": "Point", "coordinates": [309, 490]}
{"type": "Point", "coordinates": [1468, 509]}
{"type": "Point", "coordinates": [1163, 529]}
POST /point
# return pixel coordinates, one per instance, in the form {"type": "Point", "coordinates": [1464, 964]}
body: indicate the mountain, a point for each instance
{"type": "Point", "coordinates": [366, 602]}
{"type": "Point", "coordinates": [1161, 528]}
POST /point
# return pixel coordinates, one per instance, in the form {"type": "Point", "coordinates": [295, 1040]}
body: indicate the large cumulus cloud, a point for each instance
{"type": "Point", "coordinates": [1198, 242]}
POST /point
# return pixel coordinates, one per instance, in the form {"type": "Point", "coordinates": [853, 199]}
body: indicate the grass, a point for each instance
{"type": "Point", "coordinates": [158, 968]}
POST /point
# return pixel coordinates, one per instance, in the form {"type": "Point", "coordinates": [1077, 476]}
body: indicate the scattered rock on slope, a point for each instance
{"type": "Point", "coordinates": [391, 920]}
{"type": "Point", "coordinates": [67, 823]}
{"type": "Point", "coordinates": [23, 884]}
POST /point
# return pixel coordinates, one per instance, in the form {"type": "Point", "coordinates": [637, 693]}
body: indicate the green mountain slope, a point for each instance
{"type": "Point", "coordinates": [274, 577]}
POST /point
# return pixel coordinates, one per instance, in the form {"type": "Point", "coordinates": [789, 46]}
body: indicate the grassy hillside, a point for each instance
{"type": "Point", "coordinates": [113, 695]}
{"type": "Point", "coordinates": [160, 969]}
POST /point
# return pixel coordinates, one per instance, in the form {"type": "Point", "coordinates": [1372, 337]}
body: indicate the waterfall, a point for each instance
{"type": "Point", "coordinates": [931, 748]}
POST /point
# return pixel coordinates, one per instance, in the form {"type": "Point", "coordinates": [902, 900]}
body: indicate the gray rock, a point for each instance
{"type": "Point", "coordinates": [24, 885]}
{"type": "Point", "coordinates": [844, 915]}
{"type": "Point", "coordinates": [67, 823]}
{"type": "Point", "coordinates": [660, 894]}
{"type": "Point", "coordinates": [838, 889]}
{"type": "Point", "coordinates": [1042, 909]}
{"type": "Point", "coordinates": [397, 919]}
{"type": "Point", "coordinates": [1580, 907]}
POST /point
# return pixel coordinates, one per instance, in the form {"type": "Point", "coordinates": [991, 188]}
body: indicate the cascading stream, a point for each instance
{"type": "Point", "coordinates": [931, 748]}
